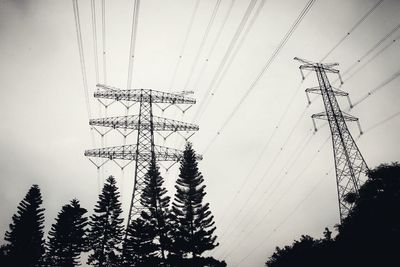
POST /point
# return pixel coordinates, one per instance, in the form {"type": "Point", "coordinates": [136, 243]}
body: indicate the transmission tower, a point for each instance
{"type": "Point", "coordinates": [350, 165]}
{"type": "Point", "coordinates": [146, 125]}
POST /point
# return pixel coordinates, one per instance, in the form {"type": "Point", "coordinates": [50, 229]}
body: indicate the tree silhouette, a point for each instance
{"type": "Point", "coordinates": [368, 236]}
{"type": "Point", "coordinates": [307, 251]}
{"type": "Point", "coordinates": [67, 237]}
{"type": "Point", "coordinates": [372, 229]}
{"type": "Point", "coordinates": [4, 255]}
{"type": "Point", "coordinates": [106, 229]}
{"type": "Point", "coordinates": [194, 225]}
{"type": "Point", "coordinates": [149, 233]}
{"type": "Point", "coordinates": [156, 205]}
{"type": "Point", "coordinates": [139, 247]}
{"type": "Point", "coordinates": [25, 236]}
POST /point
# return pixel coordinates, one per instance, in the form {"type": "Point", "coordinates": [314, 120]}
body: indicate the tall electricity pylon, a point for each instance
{"type": "Point", "coordinates": [350, 165]}
{"type": "Point", "coordinates": [146, 124]}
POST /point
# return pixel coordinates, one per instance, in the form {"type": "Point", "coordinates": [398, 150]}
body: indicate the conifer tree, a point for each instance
{"type": "Point", "coordinates": [150, 232]}
{"type": "Point", "coordinates": [194, 225]}
{"type": "Point", "coordinates": [106, 227]}
{"type": "Point", "coordinates": [25, 237]}
{"type": "Point", "coordinates": [139, 247]}
{"type": "Point", "coordinates": [67, 237]}
{"type": "Point", "coordinates": [156, 205]}
{"type": "Point", "coordinates": [4, 255]}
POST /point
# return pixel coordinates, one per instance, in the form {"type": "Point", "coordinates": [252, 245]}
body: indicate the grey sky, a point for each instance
{"type": "Point", "coordinates": [45, 129]}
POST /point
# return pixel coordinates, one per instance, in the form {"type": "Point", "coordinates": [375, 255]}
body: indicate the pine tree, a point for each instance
{"type": "Point", "coordinates": [139, 247]}
{"type": "Point", "coordinates": [106, 229]}
{"type": "Point", "coordinates": [4, 255]}
{"type": "Point", "coordinates": [25, 237]}
{"type": "Point", "coordinates": [67, 237]}
{"type": "Point", "coordinates": [194, 225]}
{"type": "Point", "coordinates": [156, 202]}
{"type": "Point", "coordinates": [150, 232]}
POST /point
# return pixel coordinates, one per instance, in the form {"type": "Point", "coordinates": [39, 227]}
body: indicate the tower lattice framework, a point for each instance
{"type": "Point", "coordinates": [146, 125]}
{"type": "Point", "coordinates": [350, 165]}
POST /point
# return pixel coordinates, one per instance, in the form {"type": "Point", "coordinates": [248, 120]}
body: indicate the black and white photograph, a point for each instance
{"type": "Point", "coordinates": [200, 133]}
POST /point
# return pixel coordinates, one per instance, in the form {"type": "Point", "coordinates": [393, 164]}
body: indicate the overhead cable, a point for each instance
{"type": "Point", "coordinates": [203, 41]}
{"type": "Point", "coordinates": [270, 60]}
{"type": "Point", "coordinates": [82, 61]}
{"type": "Point", "coordinates": [189, 29]}
{"type": "Point", "coordinates": [221, 65]}
{"type": "Point", "coordinates": [135, 17]}
{"type": "Point", "coordinates": [216, 39]}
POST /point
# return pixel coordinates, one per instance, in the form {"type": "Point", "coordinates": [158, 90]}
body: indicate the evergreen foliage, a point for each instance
{"type": "Point", "coordinates": [106, 227]}
{"type": "Point", "coordinates": [149, 234]}
{"type": "Point", "coordinates": [305, 252]}
{"type": "Point", "coordinates": [25, 236]}
{"type": "Point", "coordinates": [194, 225]}
{"type": "Point", "coordinates": [369, 236]}
{"type": "Point", "coordinates": [4, 255]}
{"type": "Point", "coordinates": [139, 247]}
{"type": "Point", "coordinates": [156, 205]}
{"type": "Point", "coordinates": [67, 237]}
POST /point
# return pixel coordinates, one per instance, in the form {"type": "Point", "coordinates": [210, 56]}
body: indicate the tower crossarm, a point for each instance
{"type": "Point", "coordinates": [317, 90]}
{"type": "Point", "coordinates": [141, 95]}
{"type": "Point", "coordinates": [132, 122]}
{"type": "Point", "coordinates": [323, 67]}
{"type": "Point", "coordinates": [324, 116]}
{"type": "Point", "coordinates": [309, 64]}
{"type": "Point", "coordinates": [128, 152]}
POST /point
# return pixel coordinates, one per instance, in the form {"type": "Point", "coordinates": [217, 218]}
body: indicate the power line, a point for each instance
{"type": "Point", "coordinates": [94, 30]}
{"type": "Point", "coordinates": [239, 45]}
{"type": "Point", "coordinates": [135, 15]}
{"type": "Point", "coordinates": [81, 56]}
{"type": "Point", "coordinates": [221, 28]}
{"type": "Point", "coordinates": [82, 61]}
{"type": "Point", "coordinates": [376, 125]}
{"type": "Point", "coordinates": [227, 54]}
{"type": "Point", "coordinates": [377, 88]}
{"type": "Point", "coordinates": [205, 36]}
{"type": "Point", "coordinates": [371, 59]}
{"type": "Point", "coordinates": [227, 65]}
{"type": "Point", "coordinates": [352, 29]}
{"type": "Point", "coordinates": [349, 32]}
{"type": "Point", "coordinates": [276, 182]}
{"type": "Point", "coordinates": [270, 60]}
{"type": "Point", "coordinates": [300, 149]}
{"type": "Point", "coordinates": [202, 43]}
{"type": "Point", "coordinates": [375, 46]}
{"type": "Point", "coordinates": [285, 219]}
{"type": "Point", "coordinates": [295, 156]}
{"type": "Point", "coordinates": [263, 150]}
{"type": "Point", "coordinates": [367, 96]}
{"type": "Point", "coordinates": [193, 15]}
{"type": "Point", "coordinates": [284, 194]}
{"type": "Point", "coordinates": [96, 68]}
{"type": "Point", "coordinates": [259, 182]}
{"type": "Point", "coordinates": [330, 51]}
{"type": "Point", "coordinates": [355, 26]}
{"type": "Point", "coordinates": [296, 91]}
{"type": "Point", "coordinates": [381, 122]}
{"type": "Point", "coordinates": [103, 26]}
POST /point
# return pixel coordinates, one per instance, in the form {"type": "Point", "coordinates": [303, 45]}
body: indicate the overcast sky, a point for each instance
{"type": "Point", "coordinates": [44, 129]}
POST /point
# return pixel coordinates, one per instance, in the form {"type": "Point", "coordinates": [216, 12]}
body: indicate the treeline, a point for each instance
{"type": "Point", "coordinates": [165, 233]}
{"type": "Point", "coordinates": [369, 236]}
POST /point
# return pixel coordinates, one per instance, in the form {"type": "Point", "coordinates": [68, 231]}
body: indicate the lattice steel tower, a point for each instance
{"type": "Point", "coordinates": [350, 165]}
{"type": "Point", "coordinates": [146, 124]}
